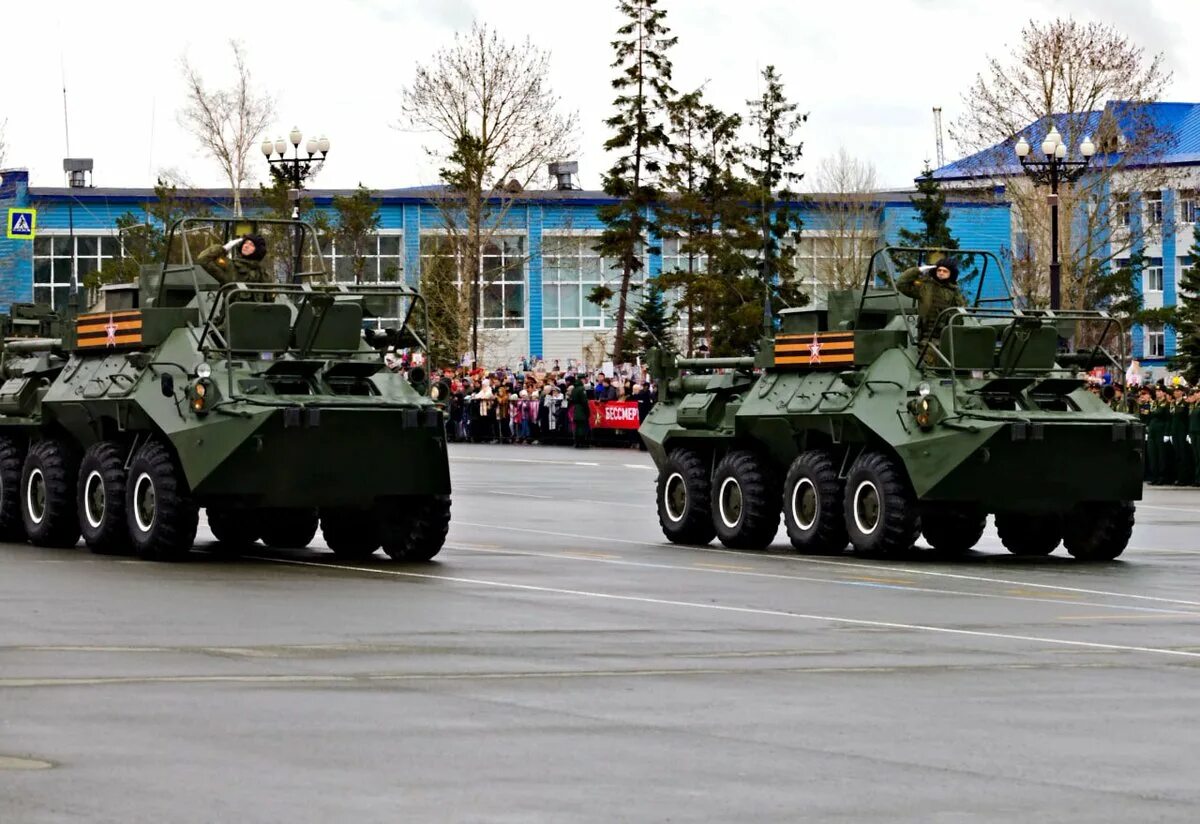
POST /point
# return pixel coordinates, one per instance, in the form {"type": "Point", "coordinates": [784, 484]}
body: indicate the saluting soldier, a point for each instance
{"type": "Point", "coordinates": [935, 289]}
{"type": "Point", "coordinates": [238, 261]}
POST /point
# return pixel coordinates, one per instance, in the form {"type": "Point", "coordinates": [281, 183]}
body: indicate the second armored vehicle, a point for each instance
{"type": "Point", "coordinates": [859, 431]}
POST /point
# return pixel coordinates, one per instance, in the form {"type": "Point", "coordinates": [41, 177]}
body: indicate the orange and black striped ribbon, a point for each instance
{"type": "Point", "coordinates": [103, 330]}
{"type": "Point", "coordinates": [821, 350]}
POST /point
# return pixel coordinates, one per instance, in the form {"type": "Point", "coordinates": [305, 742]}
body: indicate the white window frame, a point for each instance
{"type": "Point", "coordinates": [509, 262]}
{"type": "Point", "coordinates": [1154, 209]}
{"type": "Point", "coordinates": [1156, 342]}
{"type": "Point", "coordinates": [1152, 278]}
{"type": "Point", "coordinates": [56, 290]}
{"type": "Point", "coordinates": [580, 247]}
{"type": "Point", "coordinates": [1189, 207]}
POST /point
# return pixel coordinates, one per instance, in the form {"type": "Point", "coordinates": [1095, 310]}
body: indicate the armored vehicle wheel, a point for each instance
{"type": "Point", "coordinates": [236, 530]}
{"type": "Point", "coordinates": [161, 515]}
{"type": "Point", "coordinates": [415, 530]}
{"type": "Point", "coordinates": [1098, 531]}
{"type": "Point", "coordinates": [745, 502]}
{"type": "Point", "coordinates": [812, 504]}
{"type": "Point", "coordinates": [684, 508]}
{"type": "Point", "coordinates": [12, 460]}
{"type": "Point", "coordinates": [100, 499]}
{"type": "Point", "coordinates": [1024, 533]}
{"type": "Point", "coordinates": [880, 507]}
{"type": "Point", "coordinates": [48, 494]}
{"type": "Point", "coordinates": [352, 534]}
{"type": "Point", "coordinates": [287, 528]}
{"type": "Point", "coordinates": [952, 528]}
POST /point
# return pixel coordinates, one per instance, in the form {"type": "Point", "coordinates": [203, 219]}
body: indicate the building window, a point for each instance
{"type": "Point", "coordinates": [571, 269]}
{"type": "Point", "coordinates": [1152, 277]}
{"type": "Point", "coordinates": [1189, 206]}
{"type": "Point", "coordinates": [52, 256]}
{"type": "Point", "coordinates": [1154, 208]}
{"type": "Point", "coordinates": [1121, 210]}
{"type": "Point", "coordinates": [383, 259]}
{"type": "Point", "coordinates": [503, 277]}
{"type": "Point", "coordinates": [677, 259]}
{"type": "Point", "coordinates": [1156, 343]}
{"type": "Point", "coordinates": [833, 262]}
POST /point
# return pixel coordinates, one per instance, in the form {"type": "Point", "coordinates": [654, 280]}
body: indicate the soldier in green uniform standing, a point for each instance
{"type": "Point", "coordinates": [1180, 409]}
{"type": "Point", "coordinates": [1144, 410]}
{"type": "Point", "coordinates": [935, 289]}
{"type": "Point", "coordinates": [1158, 438]}
{"type": "Point", "coordinates": [578, 400]}
{"type": "Point", "coordinates": [1193, 435]}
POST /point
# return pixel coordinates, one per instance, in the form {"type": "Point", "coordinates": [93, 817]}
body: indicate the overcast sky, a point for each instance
{"type": "Point", "coordinates": [868, 72]}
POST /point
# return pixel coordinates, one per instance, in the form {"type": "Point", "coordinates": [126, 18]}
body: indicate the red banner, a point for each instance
{"type": "Point", "coordinates": [613, 414]}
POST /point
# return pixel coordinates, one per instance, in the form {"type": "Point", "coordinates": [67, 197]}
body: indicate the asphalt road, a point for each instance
{"type": "Point", "coordinates": [559, 662]}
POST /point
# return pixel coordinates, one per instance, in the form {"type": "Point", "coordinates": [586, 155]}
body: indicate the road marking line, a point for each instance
{"type": "Point", "coordinates": [1138, 617]}
{"type": "Point", "coordinates": [802, 559]}
{"type": "Point", "coordinates": [723, 567]}
{"type": "Point", "coordinates": [638, 466]}
{"type": "Point", "coordinates": [773, 613]}
{"type": "Point", "coordinates": [594, 555]}
{"type": "Point", "coordinates": [1050, 599]}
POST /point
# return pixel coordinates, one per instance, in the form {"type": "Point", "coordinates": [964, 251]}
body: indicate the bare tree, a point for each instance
{"type": "Point", "coordinates": [497, 123]}
{"type": "Point", "coordinates": [1086, 79]}
{"type": "Point", "coordinates": [227, 122]}
{"type": "Point", "coordinates": [3, 142]}
{"type": "Point", "coordinates": [844, 190]}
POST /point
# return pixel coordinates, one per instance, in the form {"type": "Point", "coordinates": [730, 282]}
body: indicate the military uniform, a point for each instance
{"type": "Point", "coordinates": [933, 297]}
{"type": "Point", "coordinates": [1144, 410]}
{"type": "Point", "coordinates": [228, 267]}
{"type": "Point", "coordinates": [579, 414]}
{"type": "Point", "coordinates": [1157, 453]}
{"type": "Point", "coordinates": [1194, 434]}
{"type": "Point", "coordinates": [1184, 472]}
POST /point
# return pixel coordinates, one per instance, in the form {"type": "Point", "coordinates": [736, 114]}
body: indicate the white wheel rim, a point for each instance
{"type": "Point", "coordinates": [863, 495]}
{"type": "Point", "coordinates": [94, 499]}
{"type": "Point", "coordinates": [803, 486]}
{"type": "Point", "coordinates": [729, 489]}
{"type": "Point", "coordinates": [145, 502]}
{"type": "Point", "coordinates": [35, 496]}
{"type": "Point", "coordinates": [672, 488]}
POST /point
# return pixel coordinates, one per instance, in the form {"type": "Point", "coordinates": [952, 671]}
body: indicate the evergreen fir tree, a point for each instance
{"type": "Point", "coordinates": [639, 139]}
{"type": "Point", "coordinates": [930, 203]}
{"type": "Point", "coordinates": [655, 322]}
{"type": "Point", "coordinates": [1187, 316]}
{"type": "Point", "coordinates": [357, 224]}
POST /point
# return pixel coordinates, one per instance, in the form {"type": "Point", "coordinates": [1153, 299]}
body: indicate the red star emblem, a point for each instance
{"type": "Point", "coordinates": [599, 417]}
{"type": "Point", "coordinates": [814, 350]}
{"type": "Point", "coordinates": [111, 331]}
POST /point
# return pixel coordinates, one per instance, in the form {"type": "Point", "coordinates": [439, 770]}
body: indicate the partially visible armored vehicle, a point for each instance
{"type": "Point", "coordinates": [859, 432]}
{"type": "Point", "coordinates": [266, 404]}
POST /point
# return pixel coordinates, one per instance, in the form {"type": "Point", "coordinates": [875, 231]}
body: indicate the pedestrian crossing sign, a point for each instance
{"type": "Point", "coordinates": [22, 224]}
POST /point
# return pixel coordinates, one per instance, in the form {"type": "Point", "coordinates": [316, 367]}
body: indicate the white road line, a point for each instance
{"type": "Point", "coordinates": [751, 573]}
{"type": "Point", "coordinates": [774, 613]}
{"type": "Point", "coordinates": [804, 559]}
{"type": "Point", "coordinates": [1141, 505]}
{"type": "Point", "coordinates": [456, 458]}
{"type": "Point", "coordinates": [559, 498]}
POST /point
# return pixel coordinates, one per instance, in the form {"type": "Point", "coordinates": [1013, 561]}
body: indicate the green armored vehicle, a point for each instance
{"type": "Point", "coordinates": [264, 403]}
{"type": "Point", "coordinates": [861, 431]}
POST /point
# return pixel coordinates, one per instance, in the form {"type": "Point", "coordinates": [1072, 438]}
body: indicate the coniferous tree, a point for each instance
{"type": "Point", "coordinates": [1187, 316]}
{"type": "Point", "coordinates": [930, 203]}
{"type": "Point", "coordinates": [771, 166]}
{"type": "Point", "coordinates": [354, 232]}
{"type": "Point", "coordinates": [639, 139]}
{"type": "Point", "coordinates": [655, 322]}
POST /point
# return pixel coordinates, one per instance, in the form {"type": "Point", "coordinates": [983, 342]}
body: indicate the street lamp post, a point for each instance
{"type": "Point", "coordinates": [294, 171]}
{"type": "Point", "coordinates": [1053, 170]}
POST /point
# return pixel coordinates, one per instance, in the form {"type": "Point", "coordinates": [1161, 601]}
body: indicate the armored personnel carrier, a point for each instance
{"type": "Point", "coordinates": [266, 404]}
{"type": "Point", "coordinates": [861, 432]}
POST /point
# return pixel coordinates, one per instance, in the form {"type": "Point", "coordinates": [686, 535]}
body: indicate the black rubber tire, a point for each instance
{"type": "Point", "coordinates": [1029, 534]}
{"type": "Point", "coordinates": [287, 528]}
{"type": "Point", "coordinates": [159, 509]}
{"type": "Point", "coordinates": [952, 529]}
{"type": "Point", "coordinates": [687, 517]}
{"type": "Point", "coordinates": [745, 501]}
{"type": "Point", "coordinates": [1098, 531]}
{"type": "Point", "coordinates": [880, 508]}
{"type": "Point", "coordinates": [813, 505]}
{"type": "Point", "coordinates": [48, 509]}
{"type": "Point", "coordinates": [100, 499]}
{"type": "Point", "coordinates": [236, 530]}
{"type": "Point", "coordinates": [416, 529]}
{"type": "Point", "coordinates": [352, 534]}
{"type": "Point", "coordinates": [12, 462]}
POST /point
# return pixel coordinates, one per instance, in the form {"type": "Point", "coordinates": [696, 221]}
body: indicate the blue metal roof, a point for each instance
{"type": "Point", "coordinates": [1179, 122]}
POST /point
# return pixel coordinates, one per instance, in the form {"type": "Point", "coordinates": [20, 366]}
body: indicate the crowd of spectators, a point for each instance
{"type": "Point", "coordinates": [535, 403]}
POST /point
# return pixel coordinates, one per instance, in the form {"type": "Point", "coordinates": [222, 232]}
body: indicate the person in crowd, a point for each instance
{"type": "Point", "coordinates": [578, 400]}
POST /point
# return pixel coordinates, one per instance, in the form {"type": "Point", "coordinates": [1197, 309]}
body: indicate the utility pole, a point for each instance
{"type": "Point", "coordinates": [937, 130]}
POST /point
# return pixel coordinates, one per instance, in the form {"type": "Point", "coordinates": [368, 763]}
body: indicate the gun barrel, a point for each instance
{"type": "Point", "coordinates": [30, 345]}
{"type": "Point", "coordinates": [715, 363]}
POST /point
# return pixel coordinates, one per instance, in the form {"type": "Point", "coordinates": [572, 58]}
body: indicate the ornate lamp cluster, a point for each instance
{"type": "Point", "coordinates": [295, 170]}
{"type": "Point", "coordinates": [1055, 169]}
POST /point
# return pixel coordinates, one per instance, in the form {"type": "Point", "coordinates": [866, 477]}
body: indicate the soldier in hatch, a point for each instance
{"type": "Point", "coordinates": [935, 289]}
{"type": "Point", "coordinates": [238, 261]}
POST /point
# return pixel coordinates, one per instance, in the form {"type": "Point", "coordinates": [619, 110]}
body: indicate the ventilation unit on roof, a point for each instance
{"type": "Point", "coordinates": [79, 171]}
{"type": "Point", "coordinates": [562, 172]}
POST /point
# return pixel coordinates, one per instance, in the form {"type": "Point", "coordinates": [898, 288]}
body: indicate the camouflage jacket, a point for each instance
{"type": "Point", "coordinates": [932, 297]}
{"type": "Point", "coordinates": [230, 268]}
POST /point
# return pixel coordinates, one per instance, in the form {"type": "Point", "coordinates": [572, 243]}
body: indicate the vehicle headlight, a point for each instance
{"type": "Point", "coordinates": [202, 396]}
{"type": "Point", "coordinates": [924, 389]}
{"type": "Point", "coordinates": [927, 411]}
{"type": "Point", "coordinates": [203, 370]}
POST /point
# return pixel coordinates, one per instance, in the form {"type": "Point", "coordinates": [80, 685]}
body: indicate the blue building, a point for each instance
{"type": "Point", "coordinates": [537, 306]}
{"type": "Point", "coordinates": [1157, 222]}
